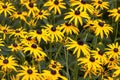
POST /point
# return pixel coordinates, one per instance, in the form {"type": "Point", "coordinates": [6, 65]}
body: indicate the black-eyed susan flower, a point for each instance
{"type": "Point", "coordinates": [115, 13]}
{"type": "Point", "coordinates": [113, 50]}
{"type": "Point", "coordinates": [54, 33]}
{"type": "Point", "coordinates": [15, 47]}
{"type": "Point", "coordinates": [83, 5]}
{"type": "Point", "coordinates": [102, 28]}
{"type": "Point", "coordinates": [8, 63]}
{"type": "Point", "coordinates": [40, 58]}
{"type": "Point", "coordinates": [5, 30]}
{"type": "Point", "coordinates": [100, 56]}
{"type": "Point", "coordinates": [76, 16]}
{"type": "Point", "coordinates": [34, 49]}
{"type": "Point", "coordinates": [27, 40]}
{"type": "Point", "coordinates": [91, 65]}
{"type": "Point", "coordinates": [18, 33]}
{"type": "Point", "coordinates": [56, 5]}
{"type": "Point", "coordinates": [28, 73]}
{"type": "Point", "coordinates": [97, 13]}
{"type": "Point", "coordinates": [6, 8]}
{"type": "Point", "coordinates": [32, 22]}
{"type": "Point", "coordinates": [19, 15]}
{"type": "Point", "coordinates": [79, 47]}
{"type": "Point", "coordinates": [32, 7]}
{"type": "Point", "coordinates": [39, 35]}
{"type": "Point", "coordinates": [100, 4]}
{"type": "Point", "coordinates": [42, 14]}
{"type": "Point", "coordinates": [52, 75]}
{"type": "Point", "coordinates": [55, 65]}
{"type": "Point", "coordinates": [23, 2]}
{"type": "Point", "coordinates": [69, 28]}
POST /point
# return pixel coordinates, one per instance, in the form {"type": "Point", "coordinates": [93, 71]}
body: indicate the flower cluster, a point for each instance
{"type": "Point", "coordinates": [59, 39]}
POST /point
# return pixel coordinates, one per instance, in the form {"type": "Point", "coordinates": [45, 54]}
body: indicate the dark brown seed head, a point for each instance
{"type": "Point", "coordinates": [31, 4]}
{"type": "Point", "coordinates": [5, 61]}
{"type": "Point", "coordinates": [39, 32]}
{"type": "Point", "coordinates": [77, 12]}
{"type": "Point", "coordinates": [101, 24]}
{"type": "Point", "coordinates": [4, 6]}
{"type": "Point", "coordinates": [83, 1]}
{"type": "Point", "coordinates": [29, 71]}
{"type": "Point", "coordinates": [34, 46]}
{"type": "Point", "coordinates": [92, 59]}
{"type": "Point", "coordinates": [68, 24]}
{"type": "Point", "coordinates": [80, 42]}
{"type": "Point", "coordinates": [56, 2]}
{"type": "Point", "coordinates": [115, 49]}
{"type": "Point", "coordinates": [101, 52]}
{"type": "Point", "coordinates": [53, 72]}
{"type": "Point", "coordinates": [99, 2]}
{"type": "Point", "coordinates": [53, 29]}
{"type": "Point", "coordinates": [15, 45]}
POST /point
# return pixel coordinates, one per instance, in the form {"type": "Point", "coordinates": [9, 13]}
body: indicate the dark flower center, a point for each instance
{"type": "Point", "coordinates": [99, 2]}
{"type": "Point", "coordinates": [80, 42]}
{"type": "Point", "coordinates": [34, 46]}
{"type": "Point", "coordinates": [4, 30]}
{"type": "Point", "coordinates": [68, 24]}
{"type": "Point", "coordinates": [119, 11]}
{"type": "Point", "coordinates": [5, 61]}
{"type": "Point", "coordinates": [91, 24]}
{"type": "Point", "coordinates": [83, 1]}
{"type": "Point", "coordinates": [53, 29]}
{"type": "Point", "coordinates": [115, 49]}
{"type": "Point", "coordinates": [19, 13]}
{"type": "Point", "coordinates": [15, 45]}
{"type": "Point", "coordinates": [53, 72]}
{"type": "Point", "coordinates": [101, 24]}
{"type": "Point", "coordinates": [77, 12]}
{"type": "Point", "coordinates": [4, 6]}
{"type": "Point", "coordinates": [53, 66]}
{"type": "Point", "coordinates": [29, 38]}
{"type": "Point", "coordinates": [17, 31]}
{"type": "Point", "coordinates": [29, 71]}
{"type": "Point", "coordinates": [101, 52]}
{"type": "Point", "coordinates": [111, 59]}
{"type": "Point", "coordinates": [40, 13]}
{"type": "Point", "coordinates": [31, 5]}
{"type": "Point", "coordinates": [56, 2]}
{"type": "Point", "coordinates": [92, 59]}
{"type": "Point", "coordinates": [39, 32]}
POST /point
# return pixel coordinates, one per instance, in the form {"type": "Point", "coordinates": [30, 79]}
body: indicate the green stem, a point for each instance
{"type": "Point", "coordinates": [39, 65]}
{"type": "Point", "coordinates": [67, 66]}
{"type": "Point", "coordinates": [58, 52]}
{"type": "Point", "coordinates": [116, 31]}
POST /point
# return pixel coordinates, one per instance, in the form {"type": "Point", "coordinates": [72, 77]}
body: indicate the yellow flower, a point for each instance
{"type": "Point", "coordinates": [113, 50]}
{"type": "Point", "coordinates": [115, 13]}
{"type": "Point", "coordinates": [34, 49]}
{"type": "Point", "coordinates": [19, 15]}
{"type": "Point", "coordinates": [6, 8]}
{"type": "Point", "coordinates": [15, 47]}
{"type": "Point", "coordinates": [32, 22]}
{"type": "Point", "coordinates": [100, 4]}
{"type": "Point", "coordinates": [42, 14]}
{"type": "Point", "coordinates": [79, 47]}
{"type": "Point", "coordinates": [32, 7]}
{"type": "Point", "coordinates": [83, 6]}
{"type": "Point", "coordinates": [102, 28]}
{"type": "Point", "coordinates": [28, 73]}
{"type": "Point", "coordinates": [56, 5]}
{"type": "Point", "coordinates": [116, 72]}
{"type": "Point", "coordinates": [54, 33]}
{"type": "Point", "coordinates": [20, 32]}
{"type": "Point", "coordinates": [52, 75]}
{"type": "Point", "coordinates": [54, 65]}
{"type": "Point", "coordinates": [91, 65]}
{"type": "Point", "coordinates": [68, 28]}
{"type": "Point", "coordinates": [100, 56]}
{"type": "Point", "coordinates": [76, 16]}
{"type": "Point", "coordinates": [23, 2]}
{"type": "Point", "coordinates": [8, 63]}
{"type": "Point", "coordinates": [39, 35]}
{"type": "Point", "coordinates": [5, 30]}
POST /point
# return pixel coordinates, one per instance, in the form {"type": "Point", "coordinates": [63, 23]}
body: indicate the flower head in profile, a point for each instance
{"type": "Point", "coordinates": [28, 73]}
{"type": "Point", "coordinates": [102, 28]}
{"type": "Point", "coordinates": [83, 5]}
{"type": "Point", "coordinates": [8, 63]}
{"type": "Point", "coordinates": [69, 28]}
{"type": "Point", "coordinates": [56, 5]}
{"type": "Point", "coordinates": [54, 33]}
{"type": "Point", "coordinates": [100, 4]}
{"type": "Point", "coordinates": [34, 50]}
{"type": "Point", "coordinates": [6, 8]}
{"type": "Point", "coordinates": [77, 16]}
{"type": "Point", "coordinates": [113, 50]}
{"type": "Point", "coordinates": [90, 64]}
{"type": "Point", "coordinates": [79, 47]}
{"type": "Point", "coordinates": [115, 13]}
